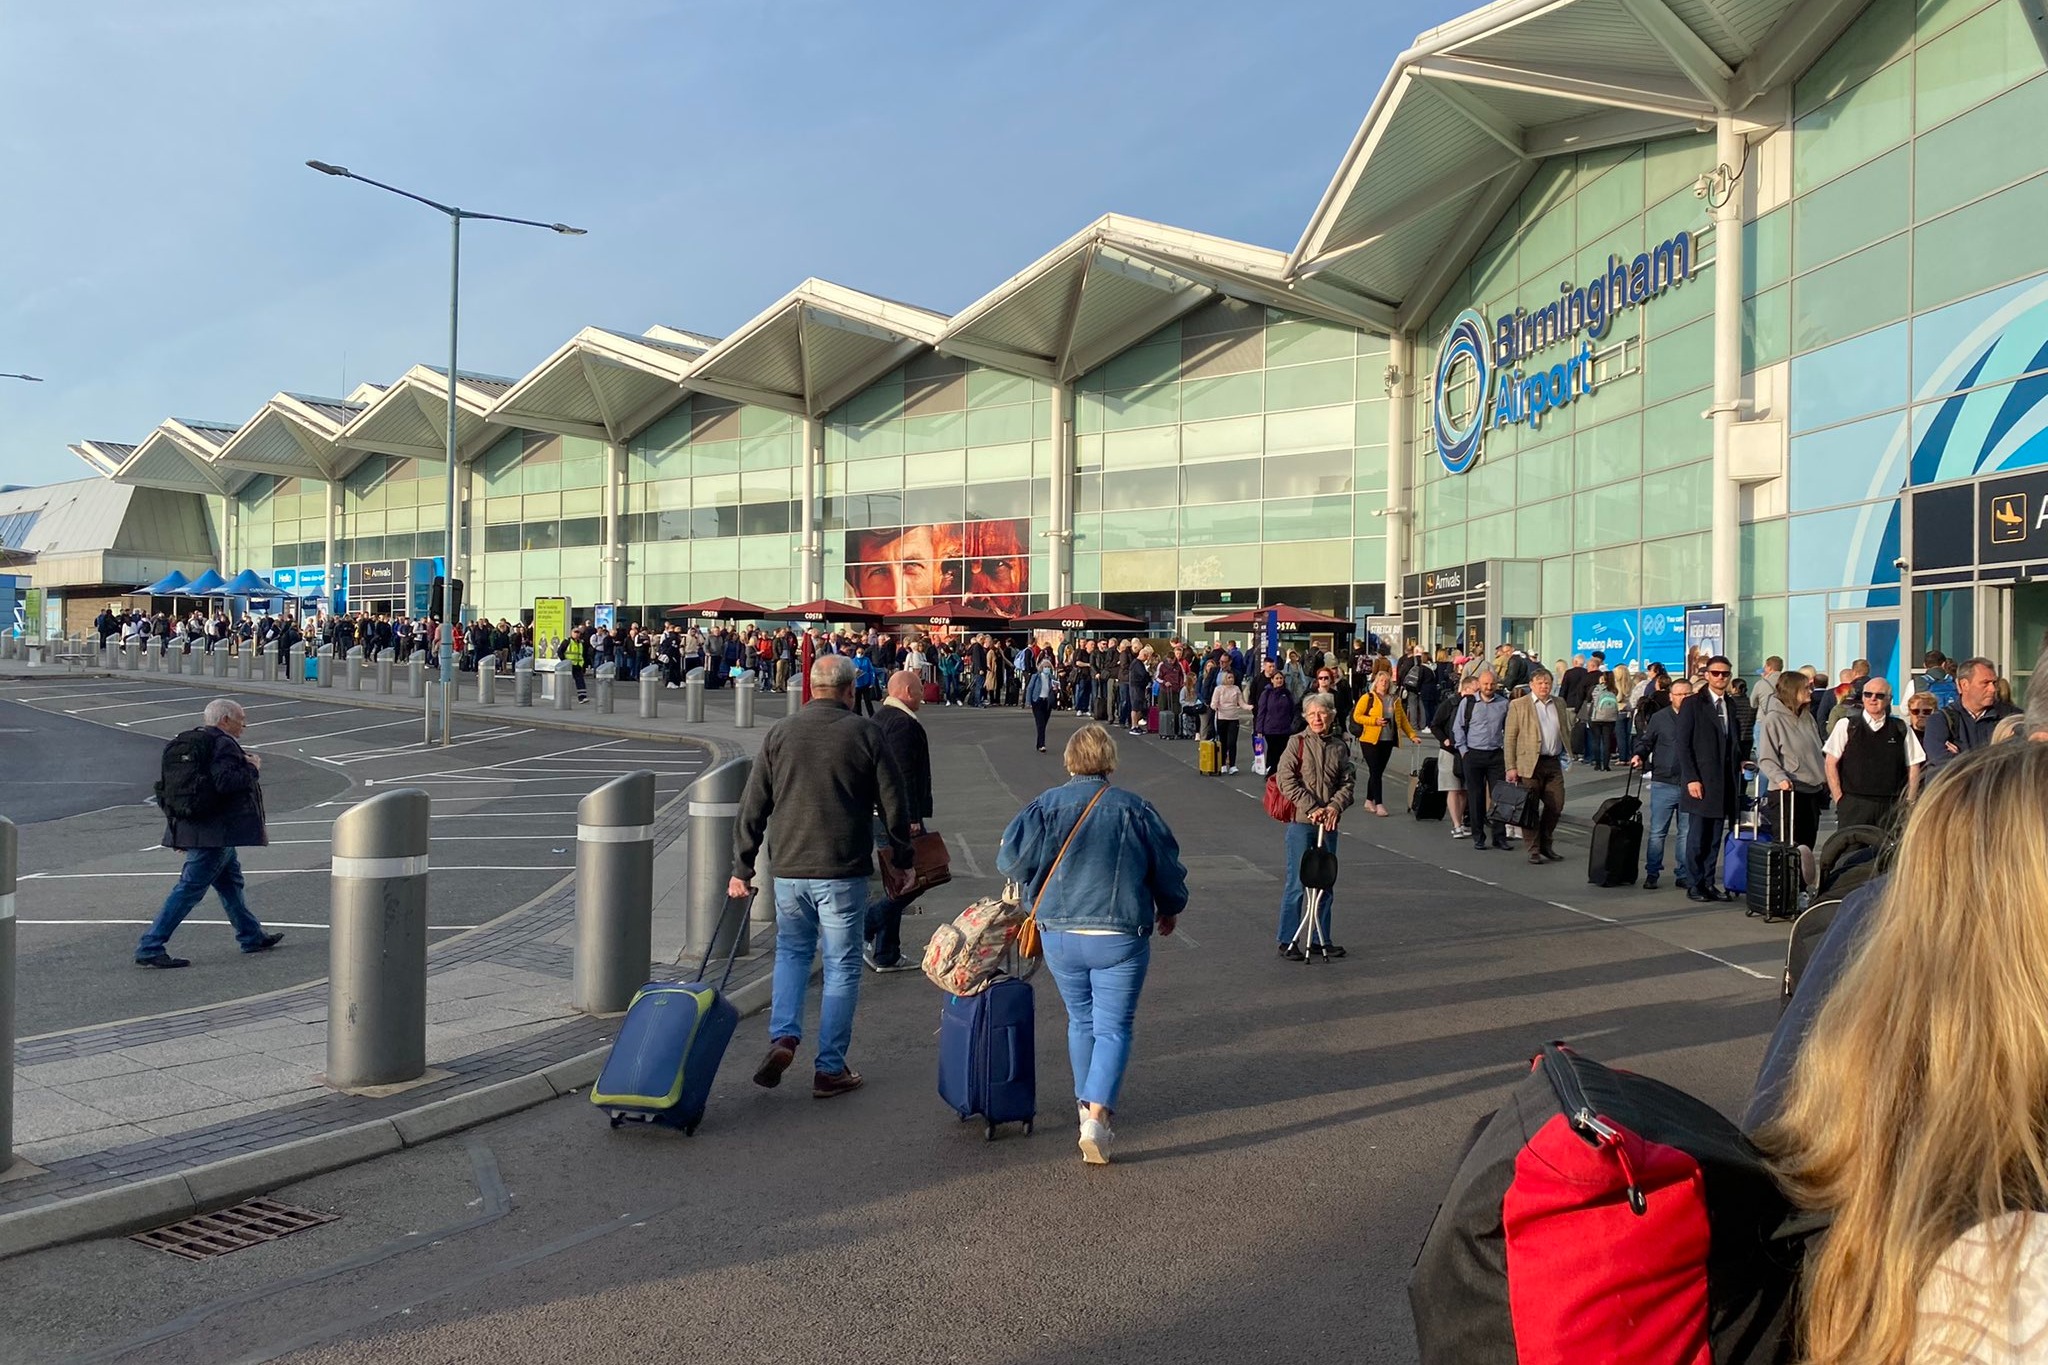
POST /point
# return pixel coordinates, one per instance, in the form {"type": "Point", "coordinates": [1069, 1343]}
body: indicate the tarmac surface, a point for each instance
{"type": "Point", "coordinates": [1285, 1134]}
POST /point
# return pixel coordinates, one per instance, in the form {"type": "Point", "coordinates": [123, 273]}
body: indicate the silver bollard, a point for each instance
{"type": "Point", "coordinates": [377, 955]}
{"type": "Point", "coordinates": [245, 662]}
{"type": "Point", "coordinates": [743, 700]}
{"type": "Point", "coordinates": [175, 655]}
{"type": "Point", "coordinates": [218, 658]}
{"type": "Point", "coordinates": [265, 664]}
{"type": "Point", "coordinates": [355, 668]}
{"type": "Point", "coordinates": [416, 676]}
{"type": "Point", "coordinates": [693, 697]}
{"type": "Point", "coordinates": [714, 809]}
{"type": "Point", "coordinates": [383, 671]}
{"type": "Point", "coordinates": [486, 683]}
{"type": "Point", "coordinates": [650, 694]}
{"type": "Point", "coordinates": [607, 684]}
{"type": "Point", "coordinates": [8, 851]}
{"type": "Point", "coordinates": [565, 686]}
{"type": "Point", "coordinates": [614, 893]}
{"type": "Point", "coordinates": [327, 665]}
{"type": "Point", "coordinates": [295, 663]}
{"type": "Point", "coordinates": [433, 708]}
{"type": "Point", "coordinates": [522, 683]}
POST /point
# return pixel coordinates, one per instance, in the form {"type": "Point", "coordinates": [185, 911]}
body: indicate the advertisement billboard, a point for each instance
{"type": "Point", "coordinates": [983, 563]}
{"type": "Point", "coordinates": [551, 618]}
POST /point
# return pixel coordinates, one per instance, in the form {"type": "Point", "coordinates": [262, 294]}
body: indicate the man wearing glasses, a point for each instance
{"type": "Point", "coordinates": [1874, 760]}
{"type": "Point", "coordinates": [1710, 766]}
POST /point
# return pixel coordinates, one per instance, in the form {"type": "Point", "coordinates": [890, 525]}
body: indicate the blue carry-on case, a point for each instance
{"type": "Point", "coordinates": [988, 1059]}
{"type": "Point", "coordinates": [669, 1046]}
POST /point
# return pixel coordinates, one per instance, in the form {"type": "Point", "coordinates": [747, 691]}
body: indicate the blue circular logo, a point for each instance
{"type": "Point", "coordinates": [1457, 435]}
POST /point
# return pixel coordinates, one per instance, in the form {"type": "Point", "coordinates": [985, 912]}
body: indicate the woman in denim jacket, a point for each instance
{"type": "Point", "coordinates": [1120, 876]}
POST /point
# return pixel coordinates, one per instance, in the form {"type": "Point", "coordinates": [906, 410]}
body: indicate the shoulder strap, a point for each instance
{"type": "Point", "coordinates": [1085, 811]}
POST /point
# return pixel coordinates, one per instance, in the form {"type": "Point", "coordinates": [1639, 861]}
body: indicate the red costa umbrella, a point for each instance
{"type": "Point", "coordinates": [1285, 615]}
{"type": "Point", "coordinates": [1080, 618]}
{"type": "Point", "coordinates": [720, 609]}
{"type": "Point", "coordinates": [958, 615]}
{"type": "Point", "coordinates": [825, 610]}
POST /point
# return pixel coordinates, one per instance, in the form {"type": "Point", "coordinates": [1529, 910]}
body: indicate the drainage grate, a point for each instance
{"type": "Point", "coordinates": [230, 1229]}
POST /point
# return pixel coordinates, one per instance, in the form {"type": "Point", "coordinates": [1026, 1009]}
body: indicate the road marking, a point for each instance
{"type": "Point", "coordinates": [1696, 952]}
{"type": "Point", "coordinates": [223, 924]}
{"type": "Point", "coordinates": [286, 871]}
{"type": "Point", "coordinates": [331, 734]}
{"type": "Point", "coordinates": [965, 854]}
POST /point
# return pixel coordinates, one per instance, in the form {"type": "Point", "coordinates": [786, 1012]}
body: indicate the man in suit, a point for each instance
{"type": "Point", "coordinates": [1710, 767]}
{"type": "Point", "coordinates": [904, 740]}
{"type": "Point", "coordinates": [1539, 733]}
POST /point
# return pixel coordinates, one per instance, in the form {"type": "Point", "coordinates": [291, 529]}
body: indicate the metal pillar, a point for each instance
{"type": "Point", "coordinates": [650, 693]}
{"type": "Point", "coordinates": [486, 682]}
{"type": "Point", "coordinates": [714, 810]}
{"type": "Point", "coordinates": [1062, 533]}
{"type": "Point", "coordinates": [427, 717]}
{"type": "Point", "coordinates": [743, 700]}
{"type": "Point", "coordinates": [383, 671]}
{"type": "Point", "coordinates": [176, 658]}
{"type": "Point", "coordinates": [565, 686]}
{"type": "Point", "coordinates": [8, 853]}
{"type": "Point", "coordinates": [416, 676]}
{"type": "Point", "coordinates": [245, 662]}
{"type": "Point", "coordinates": [264, 660]}
{"type": "Point", "coordinates": [355, 668]}
{"type": "Point", "coordinates": [809, 547]}
{"type": "Point", "coordinates": [607, 675]}
{"type": "Point", "coordinates": [217, 659]}
{"type": "Point", "coordinates": [298, 663]}
{"type": "Point", "coordinates": [693, 697]}
{"type": "Point", "coordinates": [522, 683]}
{"type": "Point", "coordinates": [326, 665]}
{"type": "Point", "coordinates": [614, 893]}
{"type": "Point", "coordinates": [1400, 472]}
{"type": "Point", "coordinates": [377, 959]}
{"type": "Point", "coordinates": [1727, 506]}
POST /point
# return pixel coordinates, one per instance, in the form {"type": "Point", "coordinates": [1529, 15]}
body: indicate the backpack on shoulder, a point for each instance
{"type": "Point", "coordinates": [185, 788]}
{"type": "Point", "coordinates": [1599, 1215]}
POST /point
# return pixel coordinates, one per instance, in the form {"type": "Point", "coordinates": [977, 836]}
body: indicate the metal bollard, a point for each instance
{"type": "Point", "coordinates": [382, 668]}
{"type": "Point", "coordinates": [433, 708]}
{"type": "Point", "coordinates": [743, 701]}
{"type": "Point", "coordinates": [377, 958]}
{"type": "Point", "coordinates": [607, 686]}
{"type": "Point", "coordinates": [714, 810]}
{"type": "Point", "coordinates": [355, 668]}
{"type": "Point", "coordinates": [174, 656]}
{"type": "Point", "coordinates": [8, 851]}
{"type": "Point", "coordinates": [326, 665]}
{"type": "Point", "coordinates": [565, 686]}
{"type": "Point", "coordinates": [416, 676]}
{"type": "Point", "coordinates": [245, 662]}
{"type": "Point", "coordinates": [693, 697]}
{"type": "Point", "coordinates": [650, 694]}
{"type": "Point", "coordinates": [486, 683]}
{"type": "Point", "coordinates": [218, 658]}
{"type": "Point", "coordinates": [614, 893]}
{"type": "Point", "coordinates": [264, 664]}
{"type": "Point", "coordinates": [295, 663]}
{"type": "Point", "coordinates": [522, 683]}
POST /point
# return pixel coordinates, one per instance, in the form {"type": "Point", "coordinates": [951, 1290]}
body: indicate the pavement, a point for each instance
{"type": "Point", "coordinates": [1285, 1134]}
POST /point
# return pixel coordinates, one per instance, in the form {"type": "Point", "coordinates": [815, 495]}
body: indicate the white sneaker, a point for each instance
{"type": "Point", "coordinates": [1095, 1140]}
{"type": "Point", "coordinates": [1460, 832]}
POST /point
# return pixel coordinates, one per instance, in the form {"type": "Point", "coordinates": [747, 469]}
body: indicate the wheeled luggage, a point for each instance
{"type": "Point", "coordinates": [1426, 800]}
{"type": "Point", "coordinates": [988, 1063]}
{"type": "Point", "coordinates": [1617, 838]}
{"type": "Point", "coordinates": [931, 694]}
{"type": "Point", "coordinates": [1152, 720]}
{"type": "Point", "coordinates": [1098, 701]}
{"type": "Point", "coordinates": [1205, 757]}
{"type": "Point", "coordinates": [669, 1046]}
{"type": "Point", "coordinates": [1771, 878]}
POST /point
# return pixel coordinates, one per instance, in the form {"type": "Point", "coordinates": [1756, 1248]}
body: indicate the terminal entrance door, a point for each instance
{"type": "Point", "coordinates": [2025, 609]}
{"type": "Point", "coordinates": [1872, 635]}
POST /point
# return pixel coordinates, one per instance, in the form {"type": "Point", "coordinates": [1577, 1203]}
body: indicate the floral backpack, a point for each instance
{"type": "Point", "coordinates": [965, 956]}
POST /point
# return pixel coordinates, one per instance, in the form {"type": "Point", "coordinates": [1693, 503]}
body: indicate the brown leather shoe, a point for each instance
{"type": "Point", "coordinates": [1551, 855]}
{"type": "Point", "coordinates": [826, 1084]}
{"type": "Point", "coordinates": [1535, 856]}
{"type": "Point", "coordinates": [780, 1054]}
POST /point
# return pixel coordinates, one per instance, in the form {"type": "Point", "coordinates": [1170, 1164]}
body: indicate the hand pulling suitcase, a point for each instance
{"type": "Point", "coordinates": [1617, 838]}
{"type": "Point", "coordinates": [1772, 888]}
{"type": "Point", "coordinates": [1205, 757]}
{"type": "Point", "coordinates": [669, 1046]}
{"type": "Point", "coordinates": [988, 1060]}
{"type": "Point", "coordinates": [1426, 799]}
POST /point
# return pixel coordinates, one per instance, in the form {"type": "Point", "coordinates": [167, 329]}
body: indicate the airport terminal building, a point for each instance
{"type": "Point", "coordinates": [1614, 308]}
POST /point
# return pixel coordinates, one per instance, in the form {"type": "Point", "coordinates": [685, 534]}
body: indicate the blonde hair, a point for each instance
{"type": "Point", "coordinates": [1919, 1106]}
{"type": "Point", "coordinates": [1090, 752]}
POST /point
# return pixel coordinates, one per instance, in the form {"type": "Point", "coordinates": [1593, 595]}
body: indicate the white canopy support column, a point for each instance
{"type": "Point", "coordinates": [331, 500]}
{"type": "Point", "coordinates": [810, 547]}
{"type": "Point", "coordinates": [1730, 183]}
{"type": "Point", "coordinates": [1400, 468]}
{"type": "Point", "coordinates": [1062, 533]}
{"type": "Point", "coordinates": [614, 522]}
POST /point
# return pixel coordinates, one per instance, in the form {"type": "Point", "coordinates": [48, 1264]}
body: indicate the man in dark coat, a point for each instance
{"type": "Point", "coordinates": [903, 739]}
{"type": "Point", "coordinates": [1710, 767]}
{"type": "Point", "coordinates": [232, 818]}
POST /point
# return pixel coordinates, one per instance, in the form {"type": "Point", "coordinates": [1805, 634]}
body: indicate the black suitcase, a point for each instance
{"type": "Point", "coordinates": [1426, 800]}
{"type": "Point", "coordinates": [1617, 844]}
{"type": "Point", "coordinates": [1772, 890]}
{"type": "Point", "coordinates": [1098, 700]}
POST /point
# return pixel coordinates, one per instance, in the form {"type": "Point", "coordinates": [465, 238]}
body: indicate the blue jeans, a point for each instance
{"type": "Point", "coordinates": [220, 869]}
{"type": "Point", "coordinates": [807, 908]}
{"type": "Point", "coordinates": [1663, 805]}
{"type": "Point", "coordinates": [1301, 838]}
{"type": "Point", "coordinates": [1084, 693]}
{"type": "Point", "coordinates": [1099, 976]}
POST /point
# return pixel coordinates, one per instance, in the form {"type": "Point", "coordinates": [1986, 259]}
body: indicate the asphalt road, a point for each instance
{"type": "Point", "coordinates": [94, 873]}
{"type": "Point", "coordinates": [1286, 1133]}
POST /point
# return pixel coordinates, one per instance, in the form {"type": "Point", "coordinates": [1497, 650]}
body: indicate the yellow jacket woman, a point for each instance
{"type": "Point", "coordinates": [1370, 716]}
{"type": "Point", "coordinates": [1381, 722]}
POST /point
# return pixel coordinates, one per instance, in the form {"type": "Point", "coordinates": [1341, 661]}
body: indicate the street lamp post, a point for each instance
{"type": "Point", "coordinates": [33, 379]}
{"type": "Point", "coordinates": [455, 218]}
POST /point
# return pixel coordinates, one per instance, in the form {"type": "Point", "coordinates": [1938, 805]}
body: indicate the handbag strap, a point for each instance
{"type": "Point", "coordinates": [1063, 850]}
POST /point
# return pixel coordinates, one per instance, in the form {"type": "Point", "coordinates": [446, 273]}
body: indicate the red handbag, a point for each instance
{"type": "Point", "coordinates": [1277, 804]}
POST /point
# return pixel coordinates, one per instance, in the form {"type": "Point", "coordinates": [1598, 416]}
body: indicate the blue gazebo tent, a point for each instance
{"type": "Point", "coordinates": [208, 584]}
{"type": "Point", "coordinates": [165, 586]}
{"type": "Point", "coordinates": [248, 583]}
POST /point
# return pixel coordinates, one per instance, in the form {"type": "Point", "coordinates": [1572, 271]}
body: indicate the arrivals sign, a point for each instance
{"type": "Point", "coordinates": [1482, 378]}
{"type": "Point", "coordinates": [2012, 519]}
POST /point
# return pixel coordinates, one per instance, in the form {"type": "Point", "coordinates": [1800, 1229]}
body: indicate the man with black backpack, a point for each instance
{"type": "Point", "coordinates": [1958, 726]}
{"type": "Point", "coordinates": [212, 799]}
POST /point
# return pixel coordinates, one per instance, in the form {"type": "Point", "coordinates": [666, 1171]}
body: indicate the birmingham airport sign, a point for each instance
{"type": "Point", "coordinates": [1487, 362]}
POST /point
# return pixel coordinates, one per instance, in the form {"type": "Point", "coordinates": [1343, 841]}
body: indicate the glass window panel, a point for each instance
{"type": "Point", "coordinates": [1139, 530]}
{"type": "Point", "coordinates": [1678, 362]}
{"type": "Point", "coordinates": [1675, 433]}
{"type": "Point", "coordinates": [936, 431]}
{"type": "Point", "coordinates": [1607, 578]}
{"type": "Point", "coordinates": [1762, 556]}
{"type": "Point", "coordinates": [1228, 395]}
{"type": "Point", "coordinates": [541, 507]}
{"type": "Point", "coordinates": [1543, 525]}
{"type": "Point", "coordinates": [1489, 487]}
{"type": "Point", "coordinates": [1088, 493]}
{"type": "Point", "coordinates": [865, 475]}
{"type": "Point", "coordinates": [1371, 427]}
{"type": "Point", "coordinates": [1610, 451]}
{"type": "Point", "coordinates": [1310, 429]}
{"type": "Point", "coordinates": [1679, 213]}
{"type": "Point", "coordinates": [1222, 439]}
{"type": "Point", "coordinates": [1972, 62]}
{"type": "Point", "coordinates": [1222, 481]}
{"type": "Point", "coordinates": [1861, 207]}
{"type": "Point", "coordinates": [1883, 32]}
{"type": "Point", "coordinates": [991, 388]}
{"type": "Point", "coordinates": [1854, 128]}
{"type": "Point", "coordinates": [1990, 242]}
{"type": "Point", "coordinates": [1211, 354]}
{"type": "Point", "coordinates": [1544, 472]}
{"type": "Point", "coordinates": [764, 518]}
{"type": "Point", "coordinates": [583, 531]}
{"type": "Point", "coordinates": [1369, 560]}
{"type": "Point", "coordinates": [540, 535]}
{"type": "Point", "coordinates": [922, 505]}
{"type": "Point", "coordinates": [1142, 448]}
{"type": "Point", "coordinates": [1854, 295]}
{"type": "Point", "coordinates": [767, 485]}
{"type": "Point", "coordinates": [583, 474]}
{"type": "Point", "coordinates": [1823, 547]}
{"type": "Point", "coordinates": [1849, 463]}
{"type": "Point", "coordinates": [940, 467]}
{"type": "Point", "coordinates": [774, 451]}
{"type": "Point", "coordinates": [999, 462]}
{"type": "Point", "coordinates": [1678, 570]}
{"type": "Point", "coordinates": [1000, 426]}
{"type": "Point", "coordinates": [1369, 467]}
{"type": "Point", "coordinates": [1678, 500]}
{"type": "Point", "coordinates": [672, 525]}
{"type": "Point", "coordinates": [1146, 407]}
{"type": "Point", "coordinates": [1289, 476]}
{"type": "Point", "coordinates": [1671, 164]}
{"type": "Point", "coordinates": [1608, 515]}
{"type": "Point", "coordinates": [986, 501]}
{"type": "Point", "coordinates": [1308, 518]}
{"type": "Point", "coordinates": [1299, 340]}
{"type": "Point", "coordinates": [1766, 328]}
{"type": "Point", "coordinates": [1982, 150]}
{"type": "Point", "coordinates": [1140, 488]}
{"type": "Point", "coordinates": [1614, 197]}
{"type": "Point", "coordinates": [1142, 367]}
{"type": "Point", "coordinates": [574, 500]}
{"type": "Point", "coordinates": [713, 523]}
{"type": "Point", "coordinates": [502, 537]}
{"type": "Point", "coordinates": [1309, 386]}
{"type": "Point", "coordinates": [1316, 563]}
{"type": "Point", "coordinates": [1849, 379]}
{"type": "Point", "coordinates": [1548, 233]}
{"type": "Point", "coordinates": [1365, 510]}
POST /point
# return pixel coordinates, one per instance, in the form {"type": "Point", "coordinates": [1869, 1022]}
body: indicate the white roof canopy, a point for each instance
{"type": "Point", "coordinates": [105, 457]}
{"type": "Point", "coordinates": [293, 437]}
{"type": "Point", "coordinates": [410, 417]}
{"type": "Point", "coordinates": [1469, 111]}
{"type": "Point", "coordinates": [602, 384]}
{"type": "Point", "coordinates": [814, 348]}
{"type": "Point", "coordinates": [1119, 280]}
{"type": "Point", "coordinates": [182, 456]}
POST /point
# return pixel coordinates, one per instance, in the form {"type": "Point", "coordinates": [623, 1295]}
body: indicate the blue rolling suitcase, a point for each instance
{"type": "Point", "coordinates": [669, 1046]}
{"type": "Point", "coordinates": [988, 1059]}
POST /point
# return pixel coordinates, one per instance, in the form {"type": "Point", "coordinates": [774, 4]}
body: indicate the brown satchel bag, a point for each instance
{"type": "Point", "coordinates": [1029, 942]}
{"type": "Point", "coordinates": [933, 866]}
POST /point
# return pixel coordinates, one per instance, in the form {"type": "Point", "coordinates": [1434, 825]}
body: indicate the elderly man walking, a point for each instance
{"type": "Point", "coordinates": [212, 799]}
{"type": "Point", "coordinates": [903, 739]}
{"type": "Point", "coordinates": [819, 779]}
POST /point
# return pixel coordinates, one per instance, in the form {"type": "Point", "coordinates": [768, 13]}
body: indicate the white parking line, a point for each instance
{"type": "Point", "coordinates": [223, 924]}
{"type": "Point", "coordinates": [330, 734]}
{"type": "Point", "coordinates": [284, 872]}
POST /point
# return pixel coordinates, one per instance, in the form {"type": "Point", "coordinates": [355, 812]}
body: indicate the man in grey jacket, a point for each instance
{"type": "Point", "coordinates": [820, 776]}
{"type": "Point", "coordinates": [1657, 746]}
{"type": "Point", "coordinates": [1479, 733]}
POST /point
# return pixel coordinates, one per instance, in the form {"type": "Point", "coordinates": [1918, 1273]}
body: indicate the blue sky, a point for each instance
{"type": "Point", "coordinates": [168, 254]}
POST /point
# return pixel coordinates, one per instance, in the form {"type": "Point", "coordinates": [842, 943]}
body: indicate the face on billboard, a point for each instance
{"type": "Point", "coordinates": [906, 568]}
